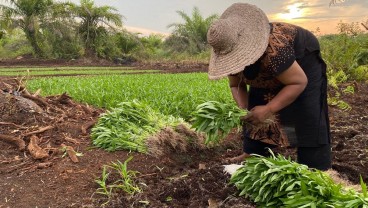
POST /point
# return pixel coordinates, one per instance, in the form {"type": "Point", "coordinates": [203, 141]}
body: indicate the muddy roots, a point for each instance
{"type": "Point", "coordinates": [170, 140]}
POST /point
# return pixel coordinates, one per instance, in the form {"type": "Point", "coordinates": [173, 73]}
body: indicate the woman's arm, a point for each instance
{"type": "Point", "coordinates": [239, 90]}
{"type": "Point", "coordinates": [295, 82]}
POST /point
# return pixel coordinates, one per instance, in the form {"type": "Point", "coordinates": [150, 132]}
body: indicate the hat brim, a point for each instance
{"type": "Point", "coordinates": [251, 45]}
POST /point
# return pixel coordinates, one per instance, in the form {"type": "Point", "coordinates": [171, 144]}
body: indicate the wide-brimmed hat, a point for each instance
{"type": "Point", "coordinates": [238, 39]}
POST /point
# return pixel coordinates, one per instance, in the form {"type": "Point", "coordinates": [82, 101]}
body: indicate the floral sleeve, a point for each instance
{"type": "Point", "coordinates": [280, 53]}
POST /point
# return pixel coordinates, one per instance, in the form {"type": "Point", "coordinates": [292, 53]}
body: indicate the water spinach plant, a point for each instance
{"type": "Point", "coordinates": [216, 119]}
{"type": "Point", "coordinates": [278, 182]}
{"type": "Point", "coordinates": [125, 180]}
{"type": "Point", "coordinates": [128, 127]}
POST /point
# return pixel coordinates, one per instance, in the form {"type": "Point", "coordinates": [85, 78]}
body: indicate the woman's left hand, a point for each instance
{"type": "Point", "coordinates": [258, 114]}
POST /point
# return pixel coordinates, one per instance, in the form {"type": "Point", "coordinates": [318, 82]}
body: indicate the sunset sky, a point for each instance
{"type": "Point", "coordinates": [153, 16]}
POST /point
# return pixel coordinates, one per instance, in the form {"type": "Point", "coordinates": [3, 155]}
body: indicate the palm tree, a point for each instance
{"type": "Point", "coordinates": [26, 14]}
{"type": "Point", "coordinates": [194, 29]}
{"type": "Point", "coordinates": [93, 20]}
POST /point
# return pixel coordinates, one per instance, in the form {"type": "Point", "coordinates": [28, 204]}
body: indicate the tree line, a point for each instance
{"type": "Point", "coordinates": [54, 29]}
{"type": "Point", "coordinates": [63, 30]}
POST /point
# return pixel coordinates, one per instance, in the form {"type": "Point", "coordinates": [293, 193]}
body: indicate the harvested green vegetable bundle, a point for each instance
{"type": "Point", "coordinates": [216, 119]}
{"type": "Point", "coordinates": [128, 127]}
{"type": "Point", "coordinates": [279, 182]}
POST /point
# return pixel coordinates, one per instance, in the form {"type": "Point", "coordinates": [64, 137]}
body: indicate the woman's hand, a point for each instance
{"type": "Point", "coordinates": [258, 114]}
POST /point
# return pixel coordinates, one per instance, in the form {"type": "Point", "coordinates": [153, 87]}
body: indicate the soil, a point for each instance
{"type": "Point", "coordinates": [40, 136]}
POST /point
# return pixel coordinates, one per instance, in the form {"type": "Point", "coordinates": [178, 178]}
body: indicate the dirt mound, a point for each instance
{"type": "Point", "coordinates": [41, 126]}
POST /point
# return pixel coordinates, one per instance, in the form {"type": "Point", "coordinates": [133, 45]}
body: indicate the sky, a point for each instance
{"type": "Point", "coordinates": [153, 16]}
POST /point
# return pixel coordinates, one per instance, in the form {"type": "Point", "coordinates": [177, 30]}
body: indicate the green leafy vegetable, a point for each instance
{"type": "Point", "coordinates": [279, 182]}
{"type": "Point", "coordinates": [216, 119]}
{"type": "Point", "coordinates": [128, 126]}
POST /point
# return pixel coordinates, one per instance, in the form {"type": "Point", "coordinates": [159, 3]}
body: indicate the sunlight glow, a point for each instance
{"type": "Point", "coordinates": [294, 11]}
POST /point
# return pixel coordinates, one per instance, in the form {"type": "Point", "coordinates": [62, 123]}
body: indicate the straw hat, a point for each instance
{"type": "Point", "coordinates": [238, 39]}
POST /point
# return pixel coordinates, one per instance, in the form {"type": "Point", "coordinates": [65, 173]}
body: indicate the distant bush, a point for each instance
{"type": "Point", "coordinates": [14, 44]}
{"type": "Point", "coordinates": [344, 54]}
{"type": "Point", "coordinates": [60, 41]}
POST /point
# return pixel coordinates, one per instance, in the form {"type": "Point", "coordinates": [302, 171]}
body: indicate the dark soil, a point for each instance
{"type": "Point", "coordinates": [165, 67]}
{"type": "Point", "coordinates": [179, 179]}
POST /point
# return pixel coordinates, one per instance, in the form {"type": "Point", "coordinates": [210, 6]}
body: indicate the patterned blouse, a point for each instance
{"type": "Point", "coordinates": [278, 57]}
{"type": "Point", "coordinates": [287, 43]}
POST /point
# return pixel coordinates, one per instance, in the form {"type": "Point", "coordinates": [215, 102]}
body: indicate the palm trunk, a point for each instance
{"type": "Point", "coordinates": [31, 36]}
{"type": "Point", "coordinates": [30, 31]}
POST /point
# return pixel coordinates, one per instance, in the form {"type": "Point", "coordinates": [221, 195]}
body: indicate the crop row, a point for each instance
{"type": "Point", "coordinates": [170, 94]}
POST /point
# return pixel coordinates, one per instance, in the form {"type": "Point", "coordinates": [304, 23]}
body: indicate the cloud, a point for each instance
{"type": "Point", "coordinates": [348, 3]}
{"type": "Point", "coordinates": [320, 10]}
{"type": "Point", "coordinates": [290, 11]}
{"type": "Point", "coordinates": [329, 17]}
{"type": "Point", "coordinates": [307, 6]}
{"type": "Point", "coordinates": [144, 31]}
{"type": "Point", "coordinates": [317, 13]}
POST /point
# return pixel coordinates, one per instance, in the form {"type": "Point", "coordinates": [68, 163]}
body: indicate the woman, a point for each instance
{"type": "Point", "coordinates": [286, 75]}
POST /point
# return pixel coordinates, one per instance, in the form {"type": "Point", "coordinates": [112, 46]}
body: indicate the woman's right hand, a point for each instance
{"type": "Point", "coordinates": [258, 114]}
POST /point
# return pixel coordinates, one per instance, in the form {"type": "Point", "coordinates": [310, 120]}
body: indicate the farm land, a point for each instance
{"type": "Point", "coordinates": [71, 99]}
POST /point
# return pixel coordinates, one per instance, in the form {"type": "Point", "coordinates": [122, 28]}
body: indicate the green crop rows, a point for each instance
{"type": "Point", "coordinates": [170, 94]}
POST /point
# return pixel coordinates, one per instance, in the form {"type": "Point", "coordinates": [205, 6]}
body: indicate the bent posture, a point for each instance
{"type": "Point", "coordinates": [286, 76]}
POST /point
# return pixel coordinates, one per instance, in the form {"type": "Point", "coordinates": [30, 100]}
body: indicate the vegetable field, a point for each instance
{"type": "Point", "coordinates": [87, 142]}
{"type": "Point", "coordinates": [170, 94]}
